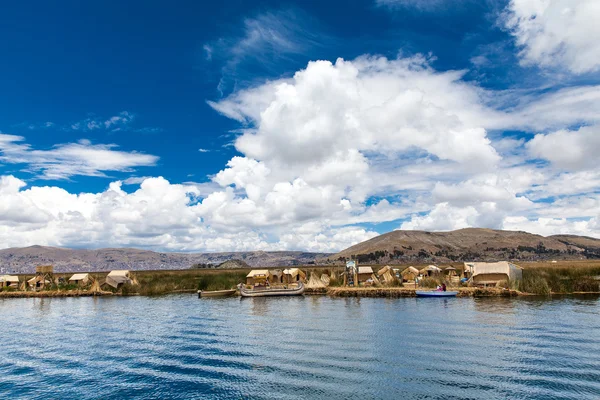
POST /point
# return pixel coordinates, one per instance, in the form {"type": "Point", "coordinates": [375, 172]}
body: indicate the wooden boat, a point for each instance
{"type": "Point", "coordinates": [435, 293]}
{"type": "Point", "coordinates": [216, 293]}
{"type": "Point", "coordinates": [265, 292]}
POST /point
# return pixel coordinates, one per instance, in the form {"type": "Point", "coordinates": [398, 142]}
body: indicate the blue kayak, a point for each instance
{"type": "Point", "coordinates": [432, 293]}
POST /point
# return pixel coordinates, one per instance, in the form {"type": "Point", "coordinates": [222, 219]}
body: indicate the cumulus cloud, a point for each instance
{"type": "Point", "coordinates": [568, 149]}
{"type": "Point", "coordinates": [370, 104]}
{"type": "Point", "coordinates": [157, 215]}
{"type": "Point", "coordinates": [557, 33]}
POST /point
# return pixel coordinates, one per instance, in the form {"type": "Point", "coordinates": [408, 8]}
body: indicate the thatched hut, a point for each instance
{"type": "Point", "coordinates": [38, 282]}
{"type": "Point", "coordinates": [276, 276]}
{"type": "Point", "coordinates": [409, 274]}
{"type": "Point", "coordinates": [291, 275]}
{"type": "Point", "coordinates": [9, 281]}
{"type": "Point", "coordinates": [80, 279]}
{"type": "Point", "coordinates": [118, 278]}
{"type": "Point", "coordinates": [364, 274]}
{"type": "Point", "coordinates": [386, 274]}
{"type": "Point", "coordinates": [450, 271]}
{"type": "Point", "coordinates": [430, 270]}
{"type": "Point", "coordinates": [484, 273]}
{"type": "Point", "coordinates": [257, 276]}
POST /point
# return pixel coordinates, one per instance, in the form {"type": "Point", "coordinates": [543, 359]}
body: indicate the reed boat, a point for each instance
{"type": "Point", "coordinates": [266, 292]}
{"type": "Point", "coordinates": [435, 293]}
{"type": "Point", "coordinates": [216, 293]}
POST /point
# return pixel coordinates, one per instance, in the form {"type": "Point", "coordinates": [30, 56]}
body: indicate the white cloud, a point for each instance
{"type": "Point", "coordinates": [557, 33]}
{"type": "Point", "coordinates": [158, 215]}
{"type": "Point", "coordinates": [123, 118]}
{"type": "Point", "coordinates": [568, 149]}
{"type": "Point", "coordinates": [70, 159]}
{"type": "Point", "coordinates": [370, 104]}
{"type": "Point", "coordinates": [203, 150]}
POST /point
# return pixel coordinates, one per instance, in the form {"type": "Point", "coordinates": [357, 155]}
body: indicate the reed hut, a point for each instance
{"type": "Point", "coordinates": [276, 276]}
{"type": "Point", "coordinates": [38, 282]}
{"type": "Point", "coordinates": [484, 273]}
{"type": "Point", "coordinates": [364, 274]}
{"type": "Point", "coordinates": [9, 281]}
{"type": "Point", "coordinates": [80, 279]}
{"type": "Point", "coordinates": [450, 271]}
{"type": "Point", "coordinates": [257, 276]}
{"type": "Point", "coordinates": [291, 275]}
{"type": "Point", "coordinates": [430, 270]}
{"type": "Point", "coordinates": [118, 278]}
{"type": "Point", "coordinates": [409, 274]}
{"type": "Point", "coordinates": [386, 274]}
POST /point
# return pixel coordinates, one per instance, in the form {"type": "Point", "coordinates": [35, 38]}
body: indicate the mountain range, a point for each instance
{"type": "Point", "coordinates": [24, 260]}
{"type": "Point", "coordinates": [396, 247]}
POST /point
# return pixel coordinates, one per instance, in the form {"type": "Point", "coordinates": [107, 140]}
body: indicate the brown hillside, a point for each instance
{"type": "Point", "coordinates": [467, 244]}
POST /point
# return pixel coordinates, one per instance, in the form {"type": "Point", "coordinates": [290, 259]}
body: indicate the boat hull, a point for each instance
{"type": "Point", "coordinates": [423, 293]}
{"type": "Point", "coordinates": [216, 293]}
{"type": "Point", "coordinates": [272, 292]}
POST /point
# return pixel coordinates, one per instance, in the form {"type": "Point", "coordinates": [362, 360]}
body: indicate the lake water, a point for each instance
{"type": "Point", "coordinates": [300, 347]}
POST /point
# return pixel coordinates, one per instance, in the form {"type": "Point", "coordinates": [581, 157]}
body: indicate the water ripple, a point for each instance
{"type": "Point", "coordinates": [309, 347]}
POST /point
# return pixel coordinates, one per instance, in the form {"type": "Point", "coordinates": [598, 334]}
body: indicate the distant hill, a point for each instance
{"type": "Point", "coordinates": [232, 264]}
{"type": "Point", "coordinates": [468, 245]}
{"type": "Point", "coordinates": [24, 260]}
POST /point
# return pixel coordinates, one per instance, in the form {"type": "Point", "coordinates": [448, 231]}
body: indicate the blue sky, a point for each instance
{"type": "Point", "coordinates": [295, 125]}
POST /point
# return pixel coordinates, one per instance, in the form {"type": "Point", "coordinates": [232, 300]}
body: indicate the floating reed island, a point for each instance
{"type": "Point", "coordinates": [393, 281]}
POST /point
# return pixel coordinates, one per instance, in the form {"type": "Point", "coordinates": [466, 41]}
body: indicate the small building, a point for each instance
{"type": "Point", "coordinates": [364, 274]}
{"type": "Point", "coordinates": [409, 274]}
{"type": "Point", "coordinates": [386, 274]}
{"type": "Point", "coordinates": [276, 276]}
{"type": "Point", "coordinates": [117, 278]}
{"type": "Point", "coordinates": [257, 276]}
{"type": "Point", "coordinates": [80, 279]}
{"type": "Point", "coordinates": [291, 275]}
{"type": "Point", "coordinates": [485, 273]}
{"type": "Point", "coordinates": [450, 271]}
{"type": "Point", "coordinates": [430, 270]}
{"type": "Point", "coordinates": [9, 281]}
{"type": "Point", "coordinates": [38, 282]}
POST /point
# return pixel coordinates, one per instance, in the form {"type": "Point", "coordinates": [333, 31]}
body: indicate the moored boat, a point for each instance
{"type": "Point", "coordinates": [216, 293]}
{"type": "Point", "coordinates": [435, 293]}
{"type": "Point", "coordinates": [297, 290]}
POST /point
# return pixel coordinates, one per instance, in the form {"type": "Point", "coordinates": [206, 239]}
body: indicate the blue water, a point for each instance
{"type": "Point", "coordinates": [301, 347]}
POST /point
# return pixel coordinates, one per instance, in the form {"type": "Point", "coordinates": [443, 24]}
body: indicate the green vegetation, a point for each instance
{"type": "Point", "coordinates": [222, 281]}
{"type": "Point", "coordinates": [544, 280]}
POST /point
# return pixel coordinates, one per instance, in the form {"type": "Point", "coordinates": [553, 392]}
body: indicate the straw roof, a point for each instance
{"type": "Point", "coordinates": [38, 278]}
{"type": "Point", "coordinates": [9, 278]}
{"type": "Point", "coordinates": [257, 272]}
{"type": "Point", "coordinates": [79, 277]}
{"type": "Point", "coordinates": [410, 270]}
{"type": "Point", "coordinates": [119, 272]}
{"type": "Point", "coordinates": [117, 277]}
{"type": "Point", "coordinates": [450, 269]}
{"type": "Point", "coordinates": [365, 270]}
{"type": "Point", "coordinates": [384, 270]}
{"type": "Point", "coordinates": [293, 272]}
{"type": "Point", "coordinates": [513, 271]}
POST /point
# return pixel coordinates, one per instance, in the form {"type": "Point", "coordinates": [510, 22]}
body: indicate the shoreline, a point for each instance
{"type": "Point", "coordinates": [368, 292]}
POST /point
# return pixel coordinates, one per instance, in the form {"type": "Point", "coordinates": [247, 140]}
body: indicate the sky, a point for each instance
{"type": "Point", "coordinates": [279, 125]}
